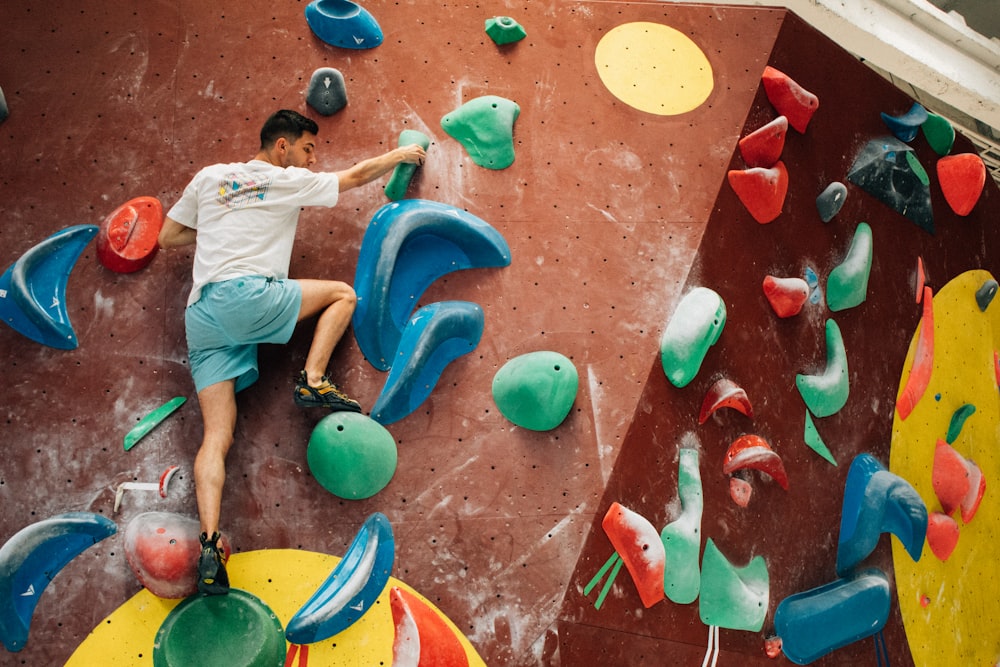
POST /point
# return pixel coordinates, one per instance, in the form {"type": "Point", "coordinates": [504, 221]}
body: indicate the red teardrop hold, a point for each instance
{"type": "Point", "coordinates": [761, 190]}
{"type": "Point", "coordinates": [763, 146]}
{"type": "Point", "coordinates": [962, 178]}
{"type": "Point", "coordinates": [789, 98]}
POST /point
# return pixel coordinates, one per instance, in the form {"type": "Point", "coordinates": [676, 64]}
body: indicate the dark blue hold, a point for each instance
{"type": "Point", "coordinates": [343, 23]}
{"type": "Point", "coordinates": [327, 93]}
{"type": "Point", "coordinates": [985, 294]}
{"type": "Point", "coordinates": [905, 127]}
{"type": "Point", "coordinates": [831, 200]}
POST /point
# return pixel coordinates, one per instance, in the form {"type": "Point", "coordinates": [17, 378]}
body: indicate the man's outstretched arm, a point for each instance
{"type": "Point", "coordinates": [368, 170]}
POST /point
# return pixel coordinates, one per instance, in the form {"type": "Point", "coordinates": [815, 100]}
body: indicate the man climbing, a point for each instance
{"type": "Point", "coordinates": [242, 218]}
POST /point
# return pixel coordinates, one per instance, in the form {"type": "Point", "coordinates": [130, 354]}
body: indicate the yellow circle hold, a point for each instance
{"type": "Point", "coordinates": [654, 68]}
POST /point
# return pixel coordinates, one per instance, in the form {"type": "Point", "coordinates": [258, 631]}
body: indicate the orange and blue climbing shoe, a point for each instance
{"type": "Point", "coordinates": [212, 576]}
{"type": "Point", "coordinates": [326, 395]}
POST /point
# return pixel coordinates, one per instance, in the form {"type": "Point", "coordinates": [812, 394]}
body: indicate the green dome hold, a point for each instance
{"type": "Point", "coordinates": [351, 455]}
{"type": "Point", "coordinates": [536, 390]}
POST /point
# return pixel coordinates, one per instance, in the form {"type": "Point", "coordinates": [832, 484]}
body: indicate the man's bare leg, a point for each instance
{"type": "Point", "coordinates": [218, 413]}
{"type": "Point", "coordinates": [334, 302]}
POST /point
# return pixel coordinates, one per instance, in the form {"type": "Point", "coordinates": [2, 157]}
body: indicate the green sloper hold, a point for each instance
{"type": "Point", "coordinates": [682, 538]}
{"type": "Point", "coordinates": [695, 326]}
{"type": "Point", "coordinates": [732, 597]}
{"type": "Point", "coordinates": [826, 394]}
{"type": "Point", "coordinates": [939, 133]}
{"type": "Point", "coordinates": [536, 390]}
{"type": "Point", "coordinates": [848, 283]}
{"type": "Point", "coordinates": [485, 127]}
{"type": "Point", "coordinates": [351, 455]}
{"type": "Point", "coordinates": [395, 188]}
{"type": "Point", "coordinates": [815, 441]}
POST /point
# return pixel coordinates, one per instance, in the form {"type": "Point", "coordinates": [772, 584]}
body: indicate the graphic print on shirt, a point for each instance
{"type": "Point", "coordinates": [238, 190]}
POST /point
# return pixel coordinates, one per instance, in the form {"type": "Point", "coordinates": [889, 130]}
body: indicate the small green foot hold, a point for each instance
{"type": "Point", "coordinates": [151, 421]}
{"type": "Point", "coordinates": [504, 30]}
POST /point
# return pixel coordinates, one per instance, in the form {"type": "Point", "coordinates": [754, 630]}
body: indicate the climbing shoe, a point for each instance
{"type": "Point", "coordinates": [327, 395]}
{"type": "Point", "coordinates": [212, 576]}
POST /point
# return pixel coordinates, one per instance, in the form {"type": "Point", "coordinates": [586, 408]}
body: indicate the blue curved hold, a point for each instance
{"type": "Point", "coordinates": [818, 621]}
{"type": "Point", "coordinates": [408, 245]}
{"type": "Point", "coordinates": [906, 126]}
{"type": "Point", "coordinates": [437, 335]}
{"type": "Point", "coordinates": [33, 557]}
{"type": "Point", "coordinates": [343, 23]}
{"type": "Point", "coordinates": [877, 501]}
{"type": "Point", "coordinates": [33, 289]}
{"type": "Point", "coordinates": [352, 587]}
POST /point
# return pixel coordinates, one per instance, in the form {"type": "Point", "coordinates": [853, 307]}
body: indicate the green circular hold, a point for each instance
{"type": "Point", "coordinates": [351, 455]}
{"type": "Point", "coordinates": [233, 629]}
{"type": "Point", "coordinates": [536, 390]}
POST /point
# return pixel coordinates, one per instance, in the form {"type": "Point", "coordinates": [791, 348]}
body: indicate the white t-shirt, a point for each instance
{"type": "Point", "coordinates": [246, 214]}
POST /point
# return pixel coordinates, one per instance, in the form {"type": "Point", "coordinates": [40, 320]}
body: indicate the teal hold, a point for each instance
{"type": "Point", "coordinates": [536, 390]}
{"type": "Point", "coordinates": [351, 455]}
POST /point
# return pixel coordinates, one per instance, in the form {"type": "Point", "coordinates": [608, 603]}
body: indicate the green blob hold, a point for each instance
{"type": "Point", "coordinates": [682, 538]}
{"type": "Point", "coordinates": [536, 390]}
{"type": "Point", "coordinates": [958, 422]}
{"type": "Point", "coordinates": [351, 455]}
{"type": "Point", "coordinates": [485, 127]}
{"type": "Point", "coordinates": [939, 133]}
{"type": "Point", "coordinates": [815, 441]}
{"type": "Point", "coordinates": [917, 168]}
{"type": "Point", "coordinates": [504, 30]}
{"type": "Point", "coordinates": [848, 283]}
{"type": "Point", "coordinates": [826, 394]}
{"type": "Point", "coordinates": [695, 326]}
{"type": "Point", "coordinates": [233, 629]}
{"type": "Point", "coordinates": [395, 188]}
{"type": "Point", "coordinates": [731, 597]}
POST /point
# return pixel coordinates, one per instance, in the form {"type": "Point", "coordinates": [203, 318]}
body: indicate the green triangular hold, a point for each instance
{"type": "Point", "coordinates": [815, 442]}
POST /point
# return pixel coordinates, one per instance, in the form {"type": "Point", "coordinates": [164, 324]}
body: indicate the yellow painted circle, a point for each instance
{"type": "Point", "coordinates": [284, 579]}
{"type": "Point", "coordinates": [950, 608]}
{"type": "Point", "coordinates": [654, 68]}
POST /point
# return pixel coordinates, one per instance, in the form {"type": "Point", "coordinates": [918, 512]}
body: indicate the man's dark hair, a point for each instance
{"type": "Point", "coordinates": [288, 124]}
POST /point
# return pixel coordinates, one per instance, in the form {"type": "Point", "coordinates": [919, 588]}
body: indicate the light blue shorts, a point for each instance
{"type": "Point", "coordinates": [225, 326]}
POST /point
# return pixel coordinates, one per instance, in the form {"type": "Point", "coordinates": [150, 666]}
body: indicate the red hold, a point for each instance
{"type": "Point", "coordinates": [638, 543]}
{"type": "Point", "coordinates": [789, 98]}
{"type": "Point", "coordinates": [421, 635]}
{"type": "Point", "coordinates": [923, 361]}
{"type": "Point", "coordinates": [752, 451]}
{"type": "Point", "coordinates": [761, 190]}
{"type": "Point", "coordinates": [127, 240]}
{"type": "Point", "coordinates": [942, 535]}
{"type": "Point", "coordinates": [725, 394]}
{"type": "Point", "coordinates": [962, 178]}
{"type": "Point", "coordinates": [763, 146]}
{"type": "Point", "coordinates": [787, 296]}
{"type": "Point", "coordinates": [958, 482]}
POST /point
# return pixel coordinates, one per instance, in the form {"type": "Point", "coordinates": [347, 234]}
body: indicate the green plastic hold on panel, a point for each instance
{"type": "Point", "coordinates": [848, 283]}
{"type": "Point", "coordinates": [815, 441]}
{"type": "Point", "coordinates": [395, 188]}
{"type": "Point", "coordinates": [485, 127]}
{"type": "Point", "coordinates": [939, 133]}
{"type": "Point", "coordinates": [682, 538]}
{"type": "Point", "coordinates": [504, 30]}
{"type": "Point", "coordinates": [694, 327]}
{"type": "Point", "coordinates": [958, 422]}
{"type": "Point", "coordinates": [732, 597]}
{"type": "Point", "coordinates": [151, 421]}
{"type": "Point", "coordinates": [536, 390]}
{"type": "Point", "coordinates": [825, 394]}
{"type": "Point", "coordinates": [351, 455]}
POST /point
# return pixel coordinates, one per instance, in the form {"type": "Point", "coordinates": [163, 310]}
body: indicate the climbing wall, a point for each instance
{"type": "Point", "coordinates": [611, 214]}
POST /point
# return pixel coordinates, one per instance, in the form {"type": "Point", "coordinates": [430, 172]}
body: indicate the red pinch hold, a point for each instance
{"type": "Point", "coordinates": [762, 190]}
{"type": "Point", "coordinates": [752, 451]}
{"type": "Point", "coordinates": [787, 296]}
{"type": "Point", "coordinates": [638, 543]}
{"type": "Point", "coordinates": [962, 178]}
{"type": "Point", "coordinates": [725, 394]}
{"type": "Point", "coordinates": [923, 361]}
{"type": "Point", "coordinates": [949, 477]}
{"type": "Point", "coordinates": [789, 98]}
{"type": "Point", "coordinates": [942, 535]}
{"type": "Point", "coordinates": [763, 146]}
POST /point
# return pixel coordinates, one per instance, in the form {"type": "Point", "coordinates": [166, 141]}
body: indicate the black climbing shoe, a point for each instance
{"type": "Point", "coordinates": [212, 576]}
{"type": "Point", "coordinates": [327, 395]}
